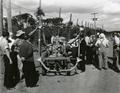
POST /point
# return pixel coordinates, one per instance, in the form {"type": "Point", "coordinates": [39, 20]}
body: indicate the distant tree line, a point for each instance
{"type": "Point", "coordinates": [50, 26]}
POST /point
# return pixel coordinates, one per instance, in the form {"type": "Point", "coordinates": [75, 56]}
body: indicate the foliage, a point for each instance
{"type": "Point", "coordinates": [39, 13]}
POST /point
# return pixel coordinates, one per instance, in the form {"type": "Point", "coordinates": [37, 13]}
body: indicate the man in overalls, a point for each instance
{"type": "Point", "coordinates": [102, 44]}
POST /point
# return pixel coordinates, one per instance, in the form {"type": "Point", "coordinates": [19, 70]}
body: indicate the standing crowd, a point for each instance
{"type": "Point", "coordinates": [16, 54]}
{"type": "Point", "coordinates": [93, 50]}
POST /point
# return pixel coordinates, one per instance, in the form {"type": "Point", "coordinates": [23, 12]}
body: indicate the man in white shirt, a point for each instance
{"type": "Point", "coordinates": [5, 60]}
{"type": "Point", "coordinates": [88, 49]}
{"type": "Point", "coordinates": [116, 44]}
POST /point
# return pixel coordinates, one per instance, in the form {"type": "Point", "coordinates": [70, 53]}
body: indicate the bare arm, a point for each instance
{"type": "Point", "coordinates": [8, 54]}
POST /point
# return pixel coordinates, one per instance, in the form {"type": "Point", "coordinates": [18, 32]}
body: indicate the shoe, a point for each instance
{"type": "Point", "coordinates": [105, 68]}
{"type": "Point", "coordinates": [34, 86]}
{"type": "Point", "coordinates": [100, 68]}
{"type": "Point", "coordinates": [76, 72]}
{"type": "Point", "coordinates": [10, 88]}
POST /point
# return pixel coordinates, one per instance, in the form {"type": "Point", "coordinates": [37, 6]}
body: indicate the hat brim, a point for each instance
{"type": "Point", "coordinates": [20, 34]}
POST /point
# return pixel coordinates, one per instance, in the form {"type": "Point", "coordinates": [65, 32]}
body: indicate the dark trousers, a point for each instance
{"type": "Point", "coordinates": [116, 56]}
{"type": "Point", "coordinates": [103, 60]}
{"type": "Point", "coordinates": [30, 74]}
{"type": "Point", "coordinates": [15, 70]}
{"type": "Point", "coordinates": [82, 63]}
{"type": "Point", "coordinates": [88, 55]}
{"type": "Point", "coordinates": [8, 75]}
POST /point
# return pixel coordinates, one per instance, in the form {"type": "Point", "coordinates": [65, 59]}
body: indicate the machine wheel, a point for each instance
{"type": "Point", "coordinates": [68, 73]}
{"type": "Point", "coordinates": [68, 67]}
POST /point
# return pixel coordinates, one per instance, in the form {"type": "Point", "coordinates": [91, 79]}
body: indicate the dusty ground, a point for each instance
{"type": "Point", "coordinates": [91, 81]}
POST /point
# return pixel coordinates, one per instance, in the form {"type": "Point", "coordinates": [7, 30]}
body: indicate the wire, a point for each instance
{"type": "Point", "coordinates": [18, 6]}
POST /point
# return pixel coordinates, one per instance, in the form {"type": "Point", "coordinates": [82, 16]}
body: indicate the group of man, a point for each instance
{"type": "Point", "coordinates": [93, 50]}
{"type": "Point", "coordinates": [13, 51]}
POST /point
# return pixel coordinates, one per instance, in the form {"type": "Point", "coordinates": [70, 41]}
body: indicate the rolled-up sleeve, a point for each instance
{"type": "Point", "coordinates": [6, 45]}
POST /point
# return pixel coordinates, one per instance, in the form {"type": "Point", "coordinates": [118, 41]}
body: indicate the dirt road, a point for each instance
{"type": "Point", "coordinates": [91, 81]}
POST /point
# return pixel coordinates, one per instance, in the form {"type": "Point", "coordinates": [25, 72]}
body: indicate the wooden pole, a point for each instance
{"type": "Point", "coordinates": [59, 17]}
{"type": "Point", "coordinates": [94, 19]}
{"type": "Point", "coordinates": [82, 23]}
{"type": "Point", "coordinates": [40, 4]}
{"type": "Point", "coordinates": [39, 33]}
{"type": "Point", "coordinates": [69, 30]}
{"type": "Point", "coordinates": [85, 31]}
{"type": "Point", "coordinates": [77, 21]}
{"type": "Point", "coordinates": [9, 16]}
{"type": "Point", "coordinates": [70, 17]}
{"type": "Point", "coordinates": [2, 88]}
{"type": "Point", "coordinates": [60, 13]}
{"type": "Point", "coordinates": [1, 17]}
{"type": "Point", "coordinates": [79, 44]}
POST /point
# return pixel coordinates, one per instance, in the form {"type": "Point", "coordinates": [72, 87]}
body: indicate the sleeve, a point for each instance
{"type": "Point", "coordinates": [97, 43]}
{"type": "Point", "coordinates": [108, 43]}
{"type": "Point", "coordinates": [87, 40]}
{"type": "Point", "coordinates": [6, 45]}
{"type": "Point", "coordinates": [25, 50]}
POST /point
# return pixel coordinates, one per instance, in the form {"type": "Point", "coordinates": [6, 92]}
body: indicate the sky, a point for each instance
{"type": "Point", "coordinates": [108, 11]}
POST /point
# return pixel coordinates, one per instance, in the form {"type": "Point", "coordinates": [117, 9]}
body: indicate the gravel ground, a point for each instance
{"type": "Point", "coordinates": [91, 81]}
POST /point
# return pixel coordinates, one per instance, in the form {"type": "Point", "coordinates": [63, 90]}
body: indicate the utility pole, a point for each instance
{"type": "Point", "coordinates": [70, 17]}
{"type": "Point", "coordinates": [102, 27]}
{"type": "Point", "coordinates": [1, 17]}
{"type": "Point", "coordinates": [40, 4]}
{"type": "Point", "coordinates": [20, 13]}
{"type": "Point", "coordinates": [39, 32]}
{"type": "Point", "coordinates": [69, 26]}
{"type": "Point", "coordinates": [77, 21]}
{"type": "Point", "coordinates": [85, 30]}
{"type": "Point", "coordinates": [58, 27]}
{"type": "Point", "coordinates": [9, 16]}
{"type": "Point", "coordinates": [2, 88]}
{"type": "Point", "coordinates": [60, 13]}
{"type": "Point", "coordinates": [82, 23]}
{"type": "Point", "coordinates": [94, 19]}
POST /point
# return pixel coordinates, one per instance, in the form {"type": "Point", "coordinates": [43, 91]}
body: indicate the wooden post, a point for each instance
{"type": "Point", "coordinates": [1, 17]}
{"type": "Point", "coordinates": [39, 33]}
{"type": "Point", "coordinates": [60, 13]}
{"type": "Point", "coordinates": [9, 16]}
{"type": "Point", "coordinates": [69, 27]}
{"type": "Point", "coordinates": [95, 19]}
{"type": "Point", "coordinates": [39, 39]}
{"type": "Point", "coordinates": [59, 17]}
{"type": "Point", "coordinates": [77, 22]}
{"type": "Point", "coordinates": [79, 45]}
{"type": "Point", "coordinates": [1, 29]}
{"type": "Point", "coordinates": [2, 88]}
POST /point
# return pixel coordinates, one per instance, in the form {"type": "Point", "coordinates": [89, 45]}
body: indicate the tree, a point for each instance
{"type": "Point", "coordinates": [39, 13]}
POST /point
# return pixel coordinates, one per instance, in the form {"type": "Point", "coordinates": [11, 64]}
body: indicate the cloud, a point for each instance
{"type": "Point", "coordinates": [111, 8]}
{"type": "Point", "coordinates": [108, 10]}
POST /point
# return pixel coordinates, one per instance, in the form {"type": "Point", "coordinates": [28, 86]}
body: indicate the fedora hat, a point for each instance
{"type": "Point", "coordinates": [19, 33]}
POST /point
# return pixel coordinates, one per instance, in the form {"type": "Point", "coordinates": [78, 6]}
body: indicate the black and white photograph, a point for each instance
{"type": "Point", "coordinates": [59, 46]}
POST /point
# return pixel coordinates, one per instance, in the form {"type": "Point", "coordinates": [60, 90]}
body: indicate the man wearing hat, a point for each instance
{"type": "Point", "coordinates": [6, 60]}
{"type": "Point", "coordinates": [27, 57]}
{"type": "Point", "coordinates": [20, 35]}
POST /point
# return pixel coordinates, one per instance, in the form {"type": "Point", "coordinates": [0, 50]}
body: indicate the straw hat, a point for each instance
{"type": "Point", "coordinates": [102, 35]}
{"type": "Point", "coordinates": [19, 33]}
